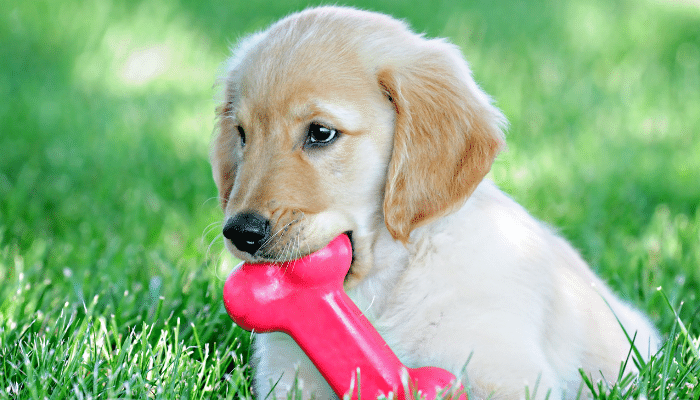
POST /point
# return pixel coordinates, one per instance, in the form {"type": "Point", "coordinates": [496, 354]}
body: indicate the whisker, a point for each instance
{"type": "Point", "coordinates": [278, 232]}
{"type": "Point", "coordinates": [210, 199]}
{"type": "Point", "coordinates": [271, 238]}
{"type": "Point", "coordinates": [291, 248]}
{"type": "Point", "coordinates": [215, 260]}
{"type": "Point", "coordinates": [292, 244]}
{"type": "Point", "coordinates": [295, 251]}
{"type": "Point", "coordinates": [209, 228]}
{"type": "Point", "coordinates": [288, 248]}
{"type": "Point", "coordinates": [308, 247]}
{"type": "Point", "coordinates": [212, 244]}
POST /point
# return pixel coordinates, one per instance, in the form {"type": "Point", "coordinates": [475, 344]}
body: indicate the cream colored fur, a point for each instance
{"type": "Point", "coordinates": [447, 267]}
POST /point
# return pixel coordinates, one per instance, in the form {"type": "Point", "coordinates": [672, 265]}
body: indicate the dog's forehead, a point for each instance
{"type": "Point", "coordinates": [321, 61]}
{"type": "Point", "coordinates": [294, 85]}
{"type": "Point", "coordinates": [296, 72]}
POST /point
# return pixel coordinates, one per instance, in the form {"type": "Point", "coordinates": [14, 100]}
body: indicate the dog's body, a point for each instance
{"type": "Point", "coordinates": [337, 120]}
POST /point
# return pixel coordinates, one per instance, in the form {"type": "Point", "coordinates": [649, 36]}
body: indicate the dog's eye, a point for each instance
{"type": "Point", "coordinates": [320, 135]}
{"type": "Point", "coordinates": [241, 132]}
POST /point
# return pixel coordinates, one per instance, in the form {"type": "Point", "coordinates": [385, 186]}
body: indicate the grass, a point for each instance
{"type": "Point", "coordinates": [111, 267]}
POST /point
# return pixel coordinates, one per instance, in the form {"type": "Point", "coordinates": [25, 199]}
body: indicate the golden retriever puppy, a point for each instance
{"type": "Point", "coordinates": [336, 120]}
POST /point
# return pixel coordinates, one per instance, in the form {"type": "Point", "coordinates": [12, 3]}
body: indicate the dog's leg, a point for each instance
{"type": "Point", "coordinates": [278, 361]}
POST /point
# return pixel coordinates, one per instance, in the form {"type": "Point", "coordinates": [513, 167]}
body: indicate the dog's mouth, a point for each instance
{"type": "Point", "coordinates": [262, 257]}
{"type": "Point", "coordinates": [352, 246]}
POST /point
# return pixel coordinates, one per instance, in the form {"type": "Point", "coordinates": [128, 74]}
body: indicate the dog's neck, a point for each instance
{"type": "Point", "coordinates": [384, 259]}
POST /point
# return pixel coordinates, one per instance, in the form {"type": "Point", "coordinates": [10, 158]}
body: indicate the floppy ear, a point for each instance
{"type": "Point", "coordinates": [221, 154]}
{"type": "Point", "coordinates": [447, 135]}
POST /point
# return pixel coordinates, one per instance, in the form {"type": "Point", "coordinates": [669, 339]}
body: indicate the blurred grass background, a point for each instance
{"type": "Point", "coordinates": [105, 189]}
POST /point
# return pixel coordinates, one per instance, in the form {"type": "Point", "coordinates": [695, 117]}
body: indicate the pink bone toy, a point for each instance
{"type": "Point", "coordinates": [305, 299]}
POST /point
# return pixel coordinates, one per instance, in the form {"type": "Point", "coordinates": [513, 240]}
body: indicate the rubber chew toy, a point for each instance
{"type": "Point", "coordinates": [305, 299]}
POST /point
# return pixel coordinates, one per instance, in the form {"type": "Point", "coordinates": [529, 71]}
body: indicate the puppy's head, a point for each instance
{"type": "Point", "coordinates": [338, 120]}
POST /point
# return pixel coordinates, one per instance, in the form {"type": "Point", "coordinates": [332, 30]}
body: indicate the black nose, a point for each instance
{"type": "Point", "coordinates": [248, 231]}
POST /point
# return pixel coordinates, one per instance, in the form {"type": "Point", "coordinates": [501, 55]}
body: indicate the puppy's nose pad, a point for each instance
{"type": "Point", "coordinates": [248, 231]}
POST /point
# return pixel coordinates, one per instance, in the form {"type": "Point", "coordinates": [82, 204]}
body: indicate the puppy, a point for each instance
{"type": "Point", "coordinates": [336, 120]}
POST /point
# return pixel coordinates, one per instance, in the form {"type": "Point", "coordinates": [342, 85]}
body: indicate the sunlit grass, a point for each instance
{"type": "Point", "coordinates": [111, 262]}
{"type": "Point", "coordinates": [75, 351]}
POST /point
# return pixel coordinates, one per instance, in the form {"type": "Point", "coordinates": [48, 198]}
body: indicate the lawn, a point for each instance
{"type": "Point", "coordinates": [111, 261]}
